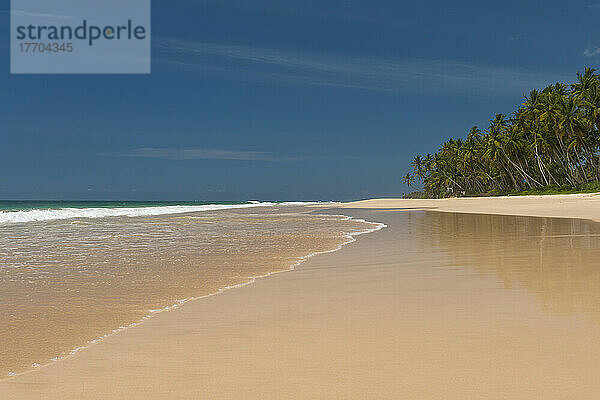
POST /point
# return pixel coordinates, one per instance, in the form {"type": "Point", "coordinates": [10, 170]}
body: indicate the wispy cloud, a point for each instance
{"type": "Point", "coordinates": [390, 75]}
{"type": "Point", "coordinates": [36, 15]}
{"type": "Point", "coordinates": [203, 154]}
{"type": "Point", "coordinates": [517, 37]}
{"type": "Point", "coordinates": [591, 51]}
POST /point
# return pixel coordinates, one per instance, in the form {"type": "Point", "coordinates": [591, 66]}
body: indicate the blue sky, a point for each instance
{"type": "Point", "coordinates": [283, 100]}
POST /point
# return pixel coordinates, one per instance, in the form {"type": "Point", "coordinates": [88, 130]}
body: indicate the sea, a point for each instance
{"type": "Point", "coordinates": [73, 273]}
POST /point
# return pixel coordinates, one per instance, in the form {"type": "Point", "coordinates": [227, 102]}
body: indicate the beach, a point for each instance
{"type": "Point", "coordinates": [67, 283]}
{"type": "Point", "coordinates": [459, 298]}
{"type": "Point", "coordinates": [584, 206]}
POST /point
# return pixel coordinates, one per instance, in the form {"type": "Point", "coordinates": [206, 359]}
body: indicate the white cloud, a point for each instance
{"type": "Point", "coordinates": [202, 154]}
{"type": "Point", "coordinates": [390, 75]}
{"type": "Point", "coordinates": [591, 51]}
{"type": "Point", "coordinates": [36, 15]}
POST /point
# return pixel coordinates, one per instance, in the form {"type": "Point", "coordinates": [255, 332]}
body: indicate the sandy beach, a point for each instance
{"type": "Point", "coordinates": [449, 305]}
{"type": "Point", "coordinates": [68, 283]}
{"type": "Point", "coordinates": [223, 200]}
{"type": "Point", "coordinates": [585, 206]}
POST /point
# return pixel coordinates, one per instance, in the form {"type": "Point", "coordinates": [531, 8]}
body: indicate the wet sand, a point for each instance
{"type": "Point", "coordinates": [436, 306]}
{"type": "Point", "coordinates": [66, 284]}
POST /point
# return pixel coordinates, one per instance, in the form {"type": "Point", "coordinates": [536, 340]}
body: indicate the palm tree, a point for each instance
{"type": "Point", "coordinates": [552, 138]}
{"type": "Point", "coordinates": [418, 165]}
{"type": "Point", "coordinates": [408, 179]}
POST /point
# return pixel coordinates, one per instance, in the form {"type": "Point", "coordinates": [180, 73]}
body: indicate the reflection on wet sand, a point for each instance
{"type": "Point", "coordinates": [435, 306]}
{"type": "Point", "coordinates": [66, 282]}
{"type": "Point", "coordinates": [556, 260]}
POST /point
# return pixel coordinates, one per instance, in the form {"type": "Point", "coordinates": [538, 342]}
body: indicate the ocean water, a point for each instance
{"type": "Point", "coordinates": [30, 211]}
{"type": "Point", "coordinates": [72, 273]}
{"type": "Point", "coordinates": [20, 205]}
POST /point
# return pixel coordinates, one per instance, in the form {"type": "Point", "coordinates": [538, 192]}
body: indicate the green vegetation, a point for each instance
{"type": "Point", "coordinates": [590, 187]}
{"type": "Point", "coordinates": [550, 145]}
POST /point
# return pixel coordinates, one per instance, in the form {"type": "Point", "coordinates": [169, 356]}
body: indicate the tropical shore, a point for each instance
{"type": "Point", "coordinates": [447, 305]}
{"type": "Point", "coordinates": [583, 206]}
{"type": "Point", "coordinates": [68, 282]}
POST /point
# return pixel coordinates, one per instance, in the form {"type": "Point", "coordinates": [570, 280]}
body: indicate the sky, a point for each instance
{"type": "Point", "coordinates": [283, 99]}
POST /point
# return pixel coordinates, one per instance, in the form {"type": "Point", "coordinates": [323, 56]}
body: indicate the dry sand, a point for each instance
{"type": "Point", "coordinates": [585, 206]}
{"type": "Point", "coordinates": [436, 306]}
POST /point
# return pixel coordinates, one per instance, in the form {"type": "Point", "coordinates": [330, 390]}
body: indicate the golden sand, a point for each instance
{"type": "Point", "coordinates": [68, 282]}
{"type": "Point", "coordinates": [581, 206]}
{"type": "Point", "coordinates": [435, 306]}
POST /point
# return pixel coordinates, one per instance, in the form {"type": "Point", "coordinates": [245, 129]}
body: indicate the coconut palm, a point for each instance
{"type": "Point", "coordinates": [408, 179]}
{"type": "Point", "coordinates": [552, 138]}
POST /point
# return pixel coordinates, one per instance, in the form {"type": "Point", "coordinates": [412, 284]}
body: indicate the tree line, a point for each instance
{"type": "Point", "coordinates": [552, 139]}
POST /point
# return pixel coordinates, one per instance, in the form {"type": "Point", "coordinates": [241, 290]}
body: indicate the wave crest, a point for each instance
{"type": "Point", "coordinates": [36, 215]}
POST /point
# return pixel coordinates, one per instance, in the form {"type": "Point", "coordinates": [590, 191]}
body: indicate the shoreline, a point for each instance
{"type": "Point", "coordinates": [349, 238]}
{"type": "Point", "coordinates": [416, 310]}
{"type": "Point", "coordinates": [580, 206]}
{"type": "Point", "coordinates": [380, 319]}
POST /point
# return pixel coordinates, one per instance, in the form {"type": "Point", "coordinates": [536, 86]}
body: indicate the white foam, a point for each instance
{"type": "Point", "coordinates": [7, 217]}
{"type": "Point", "coordinates": [350, 238]}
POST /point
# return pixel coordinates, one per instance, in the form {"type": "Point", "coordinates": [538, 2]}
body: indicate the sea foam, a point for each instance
{"type": "Point", "coordinates": [22, 216]}
{"type": "Point", "coordinates": [350, 237]}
